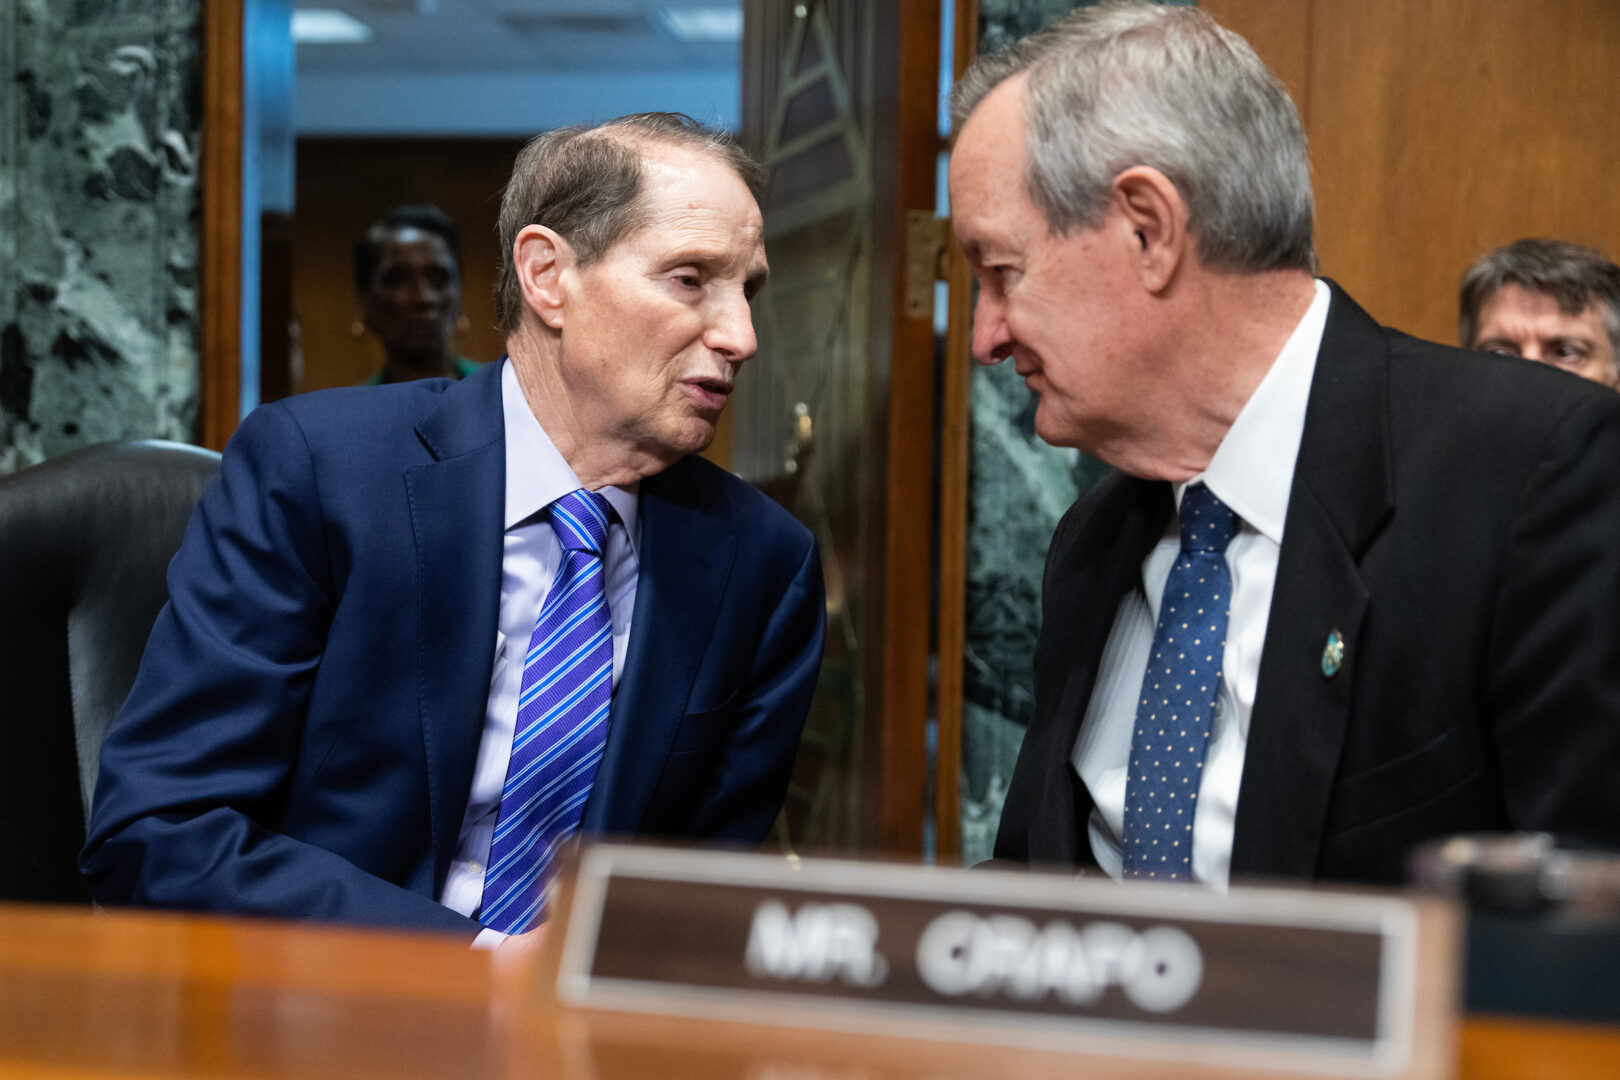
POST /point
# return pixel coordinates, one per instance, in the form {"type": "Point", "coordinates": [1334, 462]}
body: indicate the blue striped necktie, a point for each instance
{"type": "Point", "coordinates": [561, 722]}
{"type": "Point", "coordinates": [1179, 692]}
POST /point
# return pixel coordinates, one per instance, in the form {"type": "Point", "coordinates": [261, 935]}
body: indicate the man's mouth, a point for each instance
{"type": "Point", "coordinates": [710, 393]}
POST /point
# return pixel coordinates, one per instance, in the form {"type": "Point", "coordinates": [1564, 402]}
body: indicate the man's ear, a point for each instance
{"type": "Point", "coordinates": [541, 258]}
{"type": "Point", "coordinates": [1156, 212]}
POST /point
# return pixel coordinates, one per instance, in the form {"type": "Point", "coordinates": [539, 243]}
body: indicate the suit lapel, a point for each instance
{"type": "Point", "coordinates": [1342, 495]}
{"type": "Point", "coordinates": [686, 551]}
{"type": "Point", "coordinates": [1091, 575]}
{"type": "Point", "coordinates": [457, 506]}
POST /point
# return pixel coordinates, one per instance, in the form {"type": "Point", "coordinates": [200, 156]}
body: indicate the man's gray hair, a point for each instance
{"type": "Point", "coordinates": [1126, 84]}
{"type": "Point", "coordinates": [1573, 275]}
{"type": "Point", "coordinates": [585, 184]}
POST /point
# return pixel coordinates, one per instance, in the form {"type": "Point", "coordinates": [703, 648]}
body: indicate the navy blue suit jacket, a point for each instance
{"type": "Point", "coordinates": [300, 740]}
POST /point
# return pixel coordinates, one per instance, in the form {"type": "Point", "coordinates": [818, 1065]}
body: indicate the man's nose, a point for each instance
{"type": "Point", "coordinates": [1531, 350]}
{"type": "Point", "coordinates": [991, 338]}
{"type": "Point", "coordinates": [731, 329]}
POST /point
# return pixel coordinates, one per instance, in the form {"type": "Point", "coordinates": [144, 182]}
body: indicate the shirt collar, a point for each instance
{"type": "Point", "coordinates": [537, 475]}
{"type": "Point", "coordinates": [1253, 469]}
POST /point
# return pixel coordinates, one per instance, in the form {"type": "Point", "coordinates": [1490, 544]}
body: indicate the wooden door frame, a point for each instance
{"type": "Point", "coordinates": [219, 375]}
{"type": "Point", "coordinates": [883, 776]}
{"type": "Point", "coordinates": [901, 677]}
{"type": "Point", "coordinates": [955, 441]}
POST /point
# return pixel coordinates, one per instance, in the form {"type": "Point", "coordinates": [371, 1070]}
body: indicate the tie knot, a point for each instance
{"type": "Point", "coordinates": [580, 519]}
{"type": "Point", "coordinates": [1207, 524]}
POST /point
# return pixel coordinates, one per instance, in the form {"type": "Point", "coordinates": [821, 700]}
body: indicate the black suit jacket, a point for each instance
{"type": "Point", "coordinates": [1456, 517]}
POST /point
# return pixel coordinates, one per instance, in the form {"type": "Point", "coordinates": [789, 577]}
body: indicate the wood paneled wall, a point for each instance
{"type": "Point", "coordinates": [1443, 128]}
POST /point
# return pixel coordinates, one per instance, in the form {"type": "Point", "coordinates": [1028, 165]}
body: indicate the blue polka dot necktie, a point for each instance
{"type": "Point", "coordinates": [562, 714]}
{"type": "Point", "coordinates": [1179, 691]}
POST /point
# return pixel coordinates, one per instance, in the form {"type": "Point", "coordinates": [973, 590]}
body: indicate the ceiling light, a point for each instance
{"type": "Point", "coordinates": [328, 26]}
{"type": "Point", "coordinates": [702, 24]}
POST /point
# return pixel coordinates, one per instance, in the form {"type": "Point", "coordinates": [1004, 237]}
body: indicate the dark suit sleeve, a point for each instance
{"type": "Point", "coordinates": [1039, 790]}
{"type": "Point", "coordinates": [203, 753]}
{"type": "Point", "coordinates": [751, 772]}
{"type": "Point", "coordinates": [1554, 659]}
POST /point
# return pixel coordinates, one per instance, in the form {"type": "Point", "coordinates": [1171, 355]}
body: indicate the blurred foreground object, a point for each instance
{"type": "Point", "coordinates": [124, 993]}
{"type": "Point", "coordinates": [1543, 933]}
{"type": "Point", "coordinates": [1128, 977]}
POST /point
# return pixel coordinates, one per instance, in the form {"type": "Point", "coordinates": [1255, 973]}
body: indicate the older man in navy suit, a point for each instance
{"type": "Point", "coordinates": [419, 636]}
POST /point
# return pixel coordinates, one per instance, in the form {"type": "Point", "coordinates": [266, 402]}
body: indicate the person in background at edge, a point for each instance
{"type": "Point", "coordinates": [1548, 301]}
{"type": "Point", "coordinates": [407, 275]}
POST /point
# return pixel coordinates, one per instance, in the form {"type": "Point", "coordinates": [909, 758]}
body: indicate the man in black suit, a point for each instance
{"type": "Point", "coordinates": [1402, 568]}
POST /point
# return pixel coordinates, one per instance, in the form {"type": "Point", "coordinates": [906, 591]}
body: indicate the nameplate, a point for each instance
{"type": "Point", "coordinates": [1291, 979]}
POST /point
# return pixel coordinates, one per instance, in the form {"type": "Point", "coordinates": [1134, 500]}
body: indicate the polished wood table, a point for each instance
{"type": "Point", "coordinates": [134, 995]}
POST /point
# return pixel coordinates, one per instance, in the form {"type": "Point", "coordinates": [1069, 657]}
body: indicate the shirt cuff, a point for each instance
{"type": "Point", "coordinates": [488, 939]}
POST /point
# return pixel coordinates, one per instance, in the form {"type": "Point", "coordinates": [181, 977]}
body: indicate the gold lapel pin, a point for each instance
{"type": "Point", "coordinates": [1333, 654]}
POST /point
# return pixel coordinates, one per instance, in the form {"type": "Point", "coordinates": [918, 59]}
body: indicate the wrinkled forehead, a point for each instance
{"type": "Point", "coordinates": [1515, 300]}
{"type": "Point", "coordinates": [991, 207]}
{"type": "Point", "coordinates": [689, 195]}
{"type": "Point", "coordinates": [701, 176]}
{"type": "Point", "coordinates": [991, 145]}
{"type": "Point", "coordinates": [996, 130]}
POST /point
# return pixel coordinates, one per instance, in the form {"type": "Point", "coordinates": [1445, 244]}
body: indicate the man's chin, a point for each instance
{"type": "Point", "coordinates": [693, 436]}
{"type": "Point", "coordinates": [1057, 431]}
{"type": "Point", "coordinates": [699, 440]}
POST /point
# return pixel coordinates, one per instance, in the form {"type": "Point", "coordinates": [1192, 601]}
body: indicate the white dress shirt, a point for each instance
{"type": "Point", "coordinates": [536, 476]}
{"type": "Point", "coordinates": [1252, 472]}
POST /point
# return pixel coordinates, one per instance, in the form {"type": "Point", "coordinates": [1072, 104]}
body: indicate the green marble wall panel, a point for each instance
{"type": "Point", "coordinates": [98, 223]}
{"type": "Point", "coordinates": [1018, 488]}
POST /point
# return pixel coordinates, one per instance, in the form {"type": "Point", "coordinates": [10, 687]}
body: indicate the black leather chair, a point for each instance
{"type": "Point", "coordinates": [85, 542]}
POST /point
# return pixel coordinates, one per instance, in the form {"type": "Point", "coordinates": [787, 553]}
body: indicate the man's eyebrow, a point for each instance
{"type": "Point", "coordinates": [698, 254]}
{"type": "Point", "coordinates": [711, 256]}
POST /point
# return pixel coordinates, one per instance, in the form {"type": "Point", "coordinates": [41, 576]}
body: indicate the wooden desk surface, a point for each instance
{"type": "Point", "coordinates": [135, 995]}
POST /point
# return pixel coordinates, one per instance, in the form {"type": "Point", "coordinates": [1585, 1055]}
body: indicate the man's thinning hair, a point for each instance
{"type": "Point", "coordinates": [1127, 84]}
{"type": "Point", "coordinates": [1574, 275]}
{"type": "Point", "coordinates": [585, 183]}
